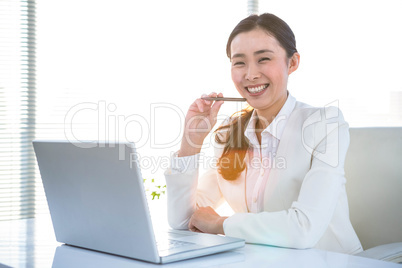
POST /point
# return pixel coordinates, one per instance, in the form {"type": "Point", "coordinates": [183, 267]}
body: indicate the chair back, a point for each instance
{"type": "Point", "coordinates": [373, 171]}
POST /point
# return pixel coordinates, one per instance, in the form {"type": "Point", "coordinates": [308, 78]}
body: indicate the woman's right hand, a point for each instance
{"type": "Point", "coordinates": [200, 119]}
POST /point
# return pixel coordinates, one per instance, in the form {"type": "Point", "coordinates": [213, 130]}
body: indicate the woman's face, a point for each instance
{"type": "Point", "coordinates": [260, 70]}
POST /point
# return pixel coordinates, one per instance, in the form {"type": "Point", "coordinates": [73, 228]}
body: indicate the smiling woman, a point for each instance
{"type": "Point", "coordinates": [299, 203]}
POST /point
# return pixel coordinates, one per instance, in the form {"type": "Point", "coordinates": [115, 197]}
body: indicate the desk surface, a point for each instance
{"type": "Point", "coordinates": [31, 243]}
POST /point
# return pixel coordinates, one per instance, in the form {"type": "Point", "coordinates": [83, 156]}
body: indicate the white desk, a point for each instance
{"type": "Point", "coordinates": [31, 243]}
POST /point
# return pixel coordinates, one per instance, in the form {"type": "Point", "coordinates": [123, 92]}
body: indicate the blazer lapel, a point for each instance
{"type": "Point", "coordinates": [279, 162]}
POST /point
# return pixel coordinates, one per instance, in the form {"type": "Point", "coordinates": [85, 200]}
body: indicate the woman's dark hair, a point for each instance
{"type": "Point", "coordinates": [273, 25]}
{"type": "Point", "coordinates": [231, 163]}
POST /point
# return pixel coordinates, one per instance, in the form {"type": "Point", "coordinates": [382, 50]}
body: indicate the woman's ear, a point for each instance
{"type": "Point", "coordinates": [294, 63]}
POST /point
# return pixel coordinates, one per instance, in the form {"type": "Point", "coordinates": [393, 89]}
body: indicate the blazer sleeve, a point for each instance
{"type": "Point", "coordinates": [186, 192]}
{"type": "Point", "coordinates": [304, 223]}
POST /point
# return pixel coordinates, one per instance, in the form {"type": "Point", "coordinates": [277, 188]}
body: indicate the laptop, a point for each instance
{"type": "Point", "coordinates": [97, 201]}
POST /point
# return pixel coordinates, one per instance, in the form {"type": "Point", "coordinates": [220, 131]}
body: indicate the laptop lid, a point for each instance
{"type": "Point", "coordinates": [96, 197]}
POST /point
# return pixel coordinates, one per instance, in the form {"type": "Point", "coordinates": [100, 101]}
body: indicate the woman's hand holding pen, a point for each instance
{"type": "Point", "coordinates": [200, 119]}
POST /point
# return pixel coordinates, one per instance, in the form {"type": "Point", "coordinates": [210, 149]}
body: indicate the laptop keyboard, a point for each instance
{"type": "Point", "coordinates": [171, 244]}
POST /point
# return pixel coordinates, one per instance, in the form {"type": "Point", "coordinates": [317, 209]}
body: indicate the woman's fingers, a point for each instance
{"type": "Point", "coordinates": [200, 105]}
{"type": "Point", "coordinates": [192, 227]}
{"type": "Point", "coordinates": [205, 219]}
{"type": "Point", "coordinates": [207, 102]}
{"type": "Point", "coordinates": [205, 105]}
{"type": "Point", "coordinates": [217, 105]}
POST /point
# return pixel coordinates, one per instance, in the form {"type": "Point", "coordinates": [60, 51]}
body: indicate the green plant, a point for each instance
{"type": "Point", "coordinates": [154, 189]}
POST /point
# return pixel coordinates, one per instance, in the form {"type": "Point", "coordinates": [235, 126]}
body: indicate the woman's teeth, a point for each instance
{"type": "Point", "coordinates": [257, 89]}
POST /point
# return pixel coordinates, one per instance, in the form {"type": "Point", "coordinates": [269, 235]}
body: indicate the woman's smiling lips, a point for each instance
{"type": "Point", "coordinates": [255, 90]}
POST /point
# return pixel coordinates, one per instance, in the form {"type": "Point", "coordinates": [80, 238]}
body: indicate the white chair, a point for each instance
{"type": "Point", "coordinates": [373, 170]}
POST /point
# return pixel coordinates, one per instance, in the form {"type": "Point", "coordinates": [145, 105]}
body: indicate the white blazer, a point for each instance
{"type": "Point", "coordinates": [305, 202]}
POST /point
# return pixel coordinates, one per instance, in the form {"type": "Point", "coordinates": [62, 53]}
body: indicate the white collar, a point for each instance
{"type": "Point", "coordinates": [277, 126]}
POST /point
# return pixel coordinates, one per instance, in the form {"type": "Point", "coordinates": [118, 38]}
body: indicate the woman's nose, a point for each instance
{"type": "Point", "coordinates": [252, 73]}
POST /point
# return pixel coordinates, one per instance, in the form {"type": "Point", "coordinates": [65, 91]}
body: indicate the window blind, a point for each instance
{"type": "Point", "coordinates": [17, 109]}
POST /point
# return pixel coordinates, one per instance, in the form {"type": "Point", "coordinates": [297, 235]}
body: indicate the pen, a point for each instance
{"type": "Point", "coordinates": [223, 99]}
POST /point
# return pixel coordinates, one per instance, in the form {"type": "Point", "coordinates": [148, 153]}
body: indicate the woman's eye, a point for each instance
{"type": "Point", "coordinates": [264, 59]}
{"type": "Point", "coordinates": [237, 63]}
